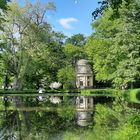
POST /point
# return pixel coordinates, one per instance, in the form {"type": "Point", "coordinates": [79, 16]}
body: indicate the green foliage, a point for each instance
{"type": "Point", "coordinates": [67, 109]}
{"type": "Point", "coordinates": [127, 131]}
{"type": "Point", "coordinates": [73, 53]}
{"type": "Point", "coordinates": [78, 135]}
{"type": "Point", "coordinates": [76, 40]}
{"type": "Point", "coordinates": [32, 57]}
{"type": "Point", "coordinates": [105, 116]}
{"type": "Point", "coordinates": [114, 47]}
{"type": "Point", "coordinates": [118, 121]}
{"type": "Point", "coordinates": [71, 136]}
{"type": "Point", "coordinates": [67, 112]}
{"type": "Point", "coordinates": [97, 49]}
{"type": "Point", "coordinates": [45, 65]}
{"type": "Point", "coordinates": [134, 95]}
{"type": "Point", "coordinates": [3, 4]}
{"type": "Point", "coordinates": [3, 7]}
{"type": "Point", "coordinates": [66, 76]}
{"type": "Point", "coordinates": [74, 49]}
{"type": "Point", "coordinates": [105, 5]}
{"type": "Point", "coordinates": [138, 96]}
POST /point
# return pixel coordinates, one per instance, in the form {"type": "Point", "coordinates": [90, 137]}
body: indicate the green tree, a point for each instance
{"type": "Point", "coordinates": [77, 40]}
{"type": "Point", "coordinates": [73, 53]}
{"type": "Point", "coordinates": [43, 68]}
{"type": "Point", "coordinates": [128, 44]}
{"type": "Point", "coordinates": [74, 49]}
{"type": "Point", "coordinates": [23, 35]}
{"type": "Point", "coordinates": [67, 77]}
{"type": "Point", "coordinates": [115, 45]}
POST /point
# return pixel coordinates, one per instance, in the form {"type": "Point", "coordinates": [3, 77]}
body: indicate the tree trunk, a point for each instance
{"type": "Point", "coordinates": [6, 82]}
{"type": "Point", "coordinates": [27, 122]}
{"type": "Point", "coordinates": [15, 84]}
{"type": "Point", "coordinates": [23, 74]}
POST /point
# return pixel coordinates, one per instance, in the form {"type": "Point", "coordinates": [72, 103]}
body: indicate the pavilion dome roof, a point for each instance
{"type": "Point", "coordinates": [83, 67]}
{"type": "Point", "coordinates": [82, 62]}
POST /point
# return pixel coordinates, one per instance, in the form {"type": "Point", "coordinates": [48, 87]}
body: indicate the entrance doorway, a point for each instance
{"type": "Point", "coordinates": [81, 84]}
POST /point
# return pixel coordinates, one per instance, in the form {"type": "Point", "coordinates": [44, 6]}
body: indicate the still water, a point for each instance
{"type": "Point", "coordinates": [45, 117]}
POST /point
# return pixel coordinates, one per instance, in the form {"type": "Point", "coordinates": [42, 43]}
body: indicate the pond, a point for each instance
{"type": "Point", "coordinates": [47, 117]}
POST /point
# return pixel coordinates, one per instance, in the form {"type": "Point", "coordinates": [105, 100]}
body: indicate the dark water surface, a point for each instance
{"type": "Point", "coordinates": [44, 118]}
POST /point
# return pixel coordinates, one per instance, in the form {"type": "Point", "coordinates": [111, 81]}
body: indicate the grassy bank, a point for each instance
{"type": "Point", "coordinates": [130, 95]}
{"type": "Point", "coordinates": [133, 95]}
{"type": "Point", "coordinates": [69, 91]}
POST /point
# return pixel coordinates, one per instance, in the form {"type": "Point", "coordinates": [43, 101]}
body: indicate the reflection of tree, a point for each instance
{"type": "Point", "coordinates": [42, 124]}
{"type": "Point", "coordinates": [10, 125]}
{"type": "Point", "coordinates": [37, 124]}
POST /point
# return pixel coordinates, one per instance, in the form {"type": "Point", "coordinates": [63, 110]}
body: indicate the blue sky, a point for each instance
{"type": "Point", "coordinates": [72, 16]}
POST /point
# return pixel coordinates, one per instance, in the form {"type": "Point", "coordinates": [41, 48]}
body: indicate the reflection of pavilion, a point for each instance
{"type": "Point", "coordinates": [84, 103]}
{"type": "Point", "coordinates": [84, 107]}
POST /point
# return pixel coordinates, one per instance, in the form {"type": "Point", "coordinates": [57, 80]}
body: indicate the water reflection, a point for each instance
{"type": "Point", "coordinates": [84, 107]}
{"type": "Point", "coordinates": [27, 118]}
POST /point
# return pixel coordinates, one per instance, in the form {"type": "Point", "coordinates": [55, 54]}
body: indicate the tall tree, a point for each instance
{"type": "Point", "coordinates": [77, 40]}
{"type": "Point", "coordinates": [114, 46]}
{"type": "Point", "coordinates": [23, 33]}
{"type": "Point", "coordinates": [74, 49]}
{"type": "Point", "coordinates": [43, 68]}
{"type": "Point", "coordinates": [127, 43]}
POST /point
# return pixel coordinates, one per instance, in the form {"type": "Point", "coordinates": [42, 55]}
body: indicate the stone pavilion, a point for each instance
{"type": "Point", "coordinates": [84, 75]}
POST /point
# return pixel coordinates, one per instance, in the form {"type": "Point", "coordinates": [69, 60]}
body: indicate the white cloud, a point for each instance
{"type": "Point", "coordinates": [65, 22]}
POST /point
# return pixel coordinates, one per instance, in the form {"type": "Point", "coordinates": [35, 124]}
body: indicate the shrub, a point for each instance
{"type": "Point", "coordinates": [66, 76]}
